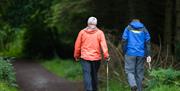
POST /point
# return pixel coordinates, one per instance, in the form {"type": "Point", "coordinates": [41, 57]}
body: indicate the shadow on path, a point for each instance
{"type": "Point", "coordinates": [31, 76]}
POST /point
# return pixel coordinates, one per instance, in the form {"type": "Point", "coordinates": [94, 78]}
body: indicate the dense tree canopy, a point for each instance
{"type": "Point", "coordinates": [51, 26]}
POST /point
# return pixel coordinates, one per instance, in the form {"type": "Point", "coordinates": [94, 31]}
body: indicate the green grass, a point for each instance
{"type": "Point", "coordinates": [114, 85]}
{"type": "Point", "coordinates": [6, 87]}
{"type": "Point", "coordinates": [64, 68]}
{"type": "Point", "coordinates": [72, 71]}
{"type": "Point", "coordinates": [166, 88]}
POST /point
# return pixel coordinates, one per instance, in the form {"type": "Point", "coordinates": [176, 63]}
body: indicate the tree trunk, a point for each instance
{"type": "Point", "coordinates": [178, 20]}
{"type": "Point", "coordinates": [177, 36]}
{"type": "Point", "coordinates": [167, 36]}
{"type": "Point", "coordinates": [173, 23]}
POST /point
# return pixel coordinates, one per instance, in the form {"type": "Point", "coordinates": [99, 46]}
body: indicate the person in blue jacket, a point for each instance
{"type": "Point", "coordinates": [136, 48]}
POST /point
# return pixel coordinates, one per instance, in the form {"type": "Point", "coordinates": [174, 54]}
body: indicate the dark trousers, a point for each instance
{"type": "Point", "coordinates": [90, 74]}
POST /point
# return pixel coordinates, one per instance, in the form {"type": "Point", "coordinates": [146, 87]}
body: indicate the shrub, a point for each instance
{"type": "Point", "coordinates": [5, 87]}
{"type": "Point", "coordinates": [7, 73]}
{"type": "Point", "coordinates": [166, 88]}
{"type": "Point", "coordinates": [163, 77]}
{"type": "Point", "coordinates": [11, 40]}
{"type": "Point", "coordinates": [16, 46]}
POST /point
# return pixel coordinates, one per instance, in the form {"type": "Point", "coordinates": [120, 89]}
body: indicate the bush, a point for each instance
{"type": "Point", "coordinates": [7, 73]}
{"type": "Point", "coordinates": [11, 40]}
{"type": "Point", "coordinates": [5, 87]}
{"type": "Point", "coordinates": [161, 77]}
{"type": "Point", "coordinates": [16, 46]}
{"type": "Point", "coordinates": [166, 88]}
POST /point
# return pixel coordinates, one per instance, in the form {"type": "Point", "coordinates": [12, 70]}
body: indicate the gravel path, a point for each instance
{"type": "Point", "coordinates": [31, 76]}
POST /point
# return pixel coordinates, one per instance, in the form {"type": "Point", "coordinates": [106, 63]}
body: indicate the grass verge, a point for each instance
{"type": "Point", "coordinates": [71, 70]}
{"type": "Point", "coordinates": [114, 85]}
{"type": "Point", "coordinates": [5, 87]}
{"type": "Point", "coordinates": [64, 68]}
{"type": "Point", "coordinates": [166, 88]}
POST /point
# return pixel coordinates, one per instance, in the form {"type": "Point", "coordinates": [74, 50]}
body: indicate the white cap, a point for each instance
{"type": "Point", "coordinates": [92, 20]}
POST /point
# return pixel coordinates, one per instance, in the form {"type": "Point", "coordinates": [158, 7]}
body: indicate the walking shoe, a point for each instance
{"type": "Point", "coordinates": [134, 88]}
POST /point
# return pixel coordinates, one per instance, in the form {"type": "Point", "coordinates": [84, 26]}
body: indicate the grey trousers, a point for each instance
{"type": "Point", "coordinates": [134, 68]}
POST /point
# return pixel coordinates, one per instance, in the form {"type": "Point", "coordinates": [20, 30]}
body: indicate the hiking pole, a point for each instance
{"type": "Point", "coordinates": [149, 65]}
{"type": "Point", "coordinates": [107, 70]}
{"type": "Point", "coordinates": [107, 75]}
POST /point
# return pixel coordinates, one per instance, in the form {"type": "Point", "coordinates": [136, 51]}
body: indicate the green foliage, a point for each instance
{"type": "Point", "coordinates": [52, 25]}
{"type": "Point", "coordinates": [7, 73]}
{"type": "Point", "coordinates": [38, 39]}
{"type": "Point", "coordinates": [7, 35]}
{"type": "Point", "coordinates": [5, 87]}
{"type": "Point", "coordinates": [16, 46]}
{"type": "Point", "coordinates": [114, 85]}
{"type": "Point", "coordinates": [162, 77]}
{"type": "Point", "coordinates": [11, 40]}
{"type": "Point", "coordinates": [72, 71]}
{"type": "Point", "coordinates": [47, 24]}
{"type": "Point", "coordinates": [67, 18]}
{"type": "Point", "coordinates": [64, 68]}
{"type": "Point", "coordinates": [166, 88]}
{"type": "Point", "coordinates": [70, 13]}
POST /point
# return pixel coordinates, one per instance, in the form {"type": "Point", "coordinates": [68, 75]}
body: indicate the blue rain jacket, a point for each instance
{"type": "Point", "coordinates": [136, 37]}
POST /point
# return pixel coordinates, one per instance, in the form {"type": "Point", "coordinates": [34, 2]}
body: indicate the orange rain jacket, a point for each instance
{"type": "Point", "coordinates": [89, 43]}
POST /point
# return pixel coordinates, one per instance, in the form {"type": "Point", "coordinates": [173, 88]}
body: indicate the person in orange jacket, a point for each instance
{"type": "Point", "coordinates": [88, 47]}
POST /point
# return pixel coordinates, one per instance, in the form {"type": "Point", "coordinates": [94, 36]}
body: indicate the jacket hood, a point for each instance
{"type": "Point", "coordinates": [91, 30]}
{"type": "Point", "coordinates": [136, 24]}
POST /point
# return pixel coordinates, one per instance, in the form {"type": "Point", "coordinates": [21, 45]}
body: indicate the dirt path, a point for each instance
{"type": "Point", "coordinates": [33, 77]}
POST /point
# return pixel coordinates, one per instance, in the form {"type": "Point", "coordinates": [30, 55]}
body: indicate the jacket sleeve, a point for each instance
{"type": "Point", "coordinates": [124, 45]}
{"type": "Point", "coordinates": [124, 40]}
{"type": "Point", "coordinates": [77, 48]}
{"type": "Point", "coordinates": [103, 45]}
{"type": "Point", "coordinates": [147, 43]}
